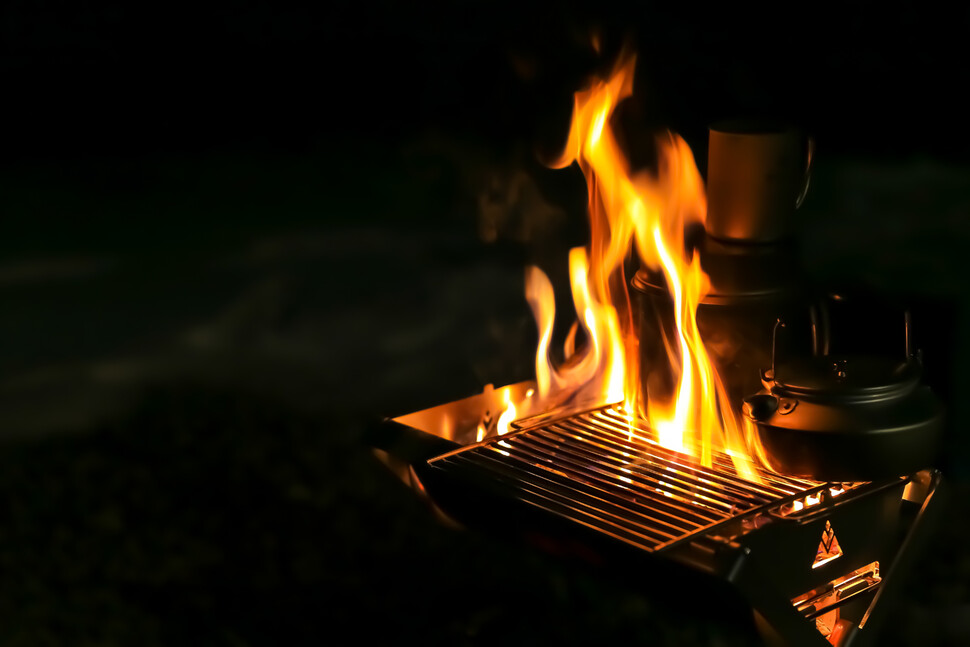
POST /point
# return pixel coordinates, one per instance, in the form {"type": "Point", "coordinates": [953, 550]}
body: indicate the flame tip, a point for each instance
{"type": "Point", "coordinates": [648, 212]}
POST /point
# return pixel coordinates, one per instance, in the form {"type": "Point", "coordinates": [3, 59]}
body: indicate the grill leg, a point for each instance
{"type": "Point", "coordinates": [781, 625]}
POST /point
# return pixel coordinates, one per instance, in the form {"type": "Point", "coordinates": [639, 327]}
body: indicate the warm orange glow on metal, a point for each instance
{"type": "Point", "coordinates": [822, 604]}
{"type": "Point", "coordinates": [828, 558]}
{"type": "Point", "coordinates": [648, 212]}
{"type": "Point", "coordinates": [828, 547]}
{"type": "Point", "coordinates": [814, 499]}
{"type": "Point", "coordinates": [471, 419]}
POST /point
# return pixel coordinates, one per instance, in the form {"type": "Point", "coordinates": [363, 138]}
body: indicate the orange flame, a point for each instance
{"type": "Point", "coordinates": [648, 212]}
{"type": "Point", "coordinates": [505, 420]}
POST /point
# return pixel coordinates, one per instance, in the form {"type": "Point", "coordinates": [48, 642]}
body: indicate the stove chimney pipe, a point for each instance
{"type": "Point", "coordinates": [757, 176]}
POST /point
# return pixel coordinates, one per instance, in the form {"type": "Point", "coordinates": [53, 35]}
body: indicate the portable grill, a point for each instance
{"type": "Point", "coordinates": [815, 561]}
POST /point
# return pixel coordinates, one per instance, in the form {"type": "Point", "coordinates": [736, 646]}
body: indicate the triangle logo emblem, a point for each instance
{"type": "Point", "coordinates": [828, 547]}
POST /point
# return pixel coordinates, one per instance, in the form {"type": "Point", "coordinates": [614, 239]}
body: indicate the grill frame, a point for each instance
{"type": "Point", "coordinates": [756, 565]}
{"type": "Point", "coordinates": [589, 469]}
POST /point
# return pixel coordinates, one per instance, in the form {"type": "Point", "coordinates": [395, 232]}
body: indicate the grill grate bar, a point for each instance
{"type": "Point", "coordinates": [632, 491]}
{"type": "Point", "coordinates": [709, 485]}
{"type": "Point", "coordinates": [646, 475]}
{"type": "Point", "coordinates": [565, 503]}
{"type": "Point", "coordinates": [670, 525]}
{"type": "Point", "coordinates": [618, 428]}
{"type": "Point", "coordinates": [611, 418]}
{"type": "Point", "coordinates": [587, 468]}
{"type": "Point", "coordinates": [775, 484]}
{"type": "Point", "coordinates": [722, 472]}
{"type": "Point", "coordinates": [620, 472]}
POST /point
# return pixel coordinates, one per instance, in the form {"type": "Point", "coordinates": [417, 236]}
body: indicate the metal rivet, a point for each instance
{"type": "Point", "coordinates": [786, 406]}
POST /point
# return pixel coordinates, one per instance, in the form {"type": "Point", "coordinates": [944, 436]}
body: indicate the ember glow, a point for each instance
{"type": "Point", "coordinates": [648, 212]}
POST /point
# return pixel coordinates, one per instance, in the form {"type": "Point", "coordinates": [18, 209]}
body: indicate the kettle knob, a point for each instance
{"type": "Point", "coordinates": [760, 406]}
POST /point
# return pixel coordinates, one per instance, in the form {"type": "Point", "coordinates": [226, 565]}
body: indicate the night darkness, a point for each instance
{"type": "Point", "coordinates": [233, 235]}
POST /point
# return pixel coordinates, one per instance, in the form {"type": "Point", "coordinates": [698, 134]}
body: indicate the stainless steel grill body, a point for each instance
{"type": "Point", "coordinates": [596, 486]}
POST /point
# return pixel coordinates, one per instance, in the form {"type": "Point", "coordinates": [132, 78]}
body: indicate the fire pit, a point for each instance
{"type": "Point", "coordinates": [696, 428]}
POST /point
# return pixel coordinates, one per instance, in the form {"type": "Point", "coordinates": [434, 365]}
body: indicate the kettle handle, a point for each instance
{"type": "Point", "coordinates": [807, 177]}
{"type": "Point", "coordinates": [821, 327]}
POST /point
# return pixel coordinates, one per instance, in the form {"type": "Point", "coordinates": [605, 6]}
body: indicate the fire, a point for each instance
{"type": "Point", "coordinates": [591, 377]}
{"type": "Point", "coordinates": [647, 212]}
{"type": "Point", "coordinates": [505, 420]}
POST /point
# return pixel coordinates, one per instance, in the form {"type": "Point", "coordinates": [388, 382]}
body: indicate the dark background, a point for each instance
{"type": "Point", "coordinates": [234, 233]}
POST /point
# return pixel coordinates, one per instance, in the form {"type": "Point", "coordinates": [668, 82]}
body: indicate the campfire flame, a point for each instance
{"type": "Point", "coordinates": [648, 212]}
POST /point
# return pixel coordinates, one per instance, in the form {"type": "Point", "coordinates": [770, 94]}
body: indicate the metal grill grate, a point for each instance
{"type": "Point", "coordinates": [590, 469]}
